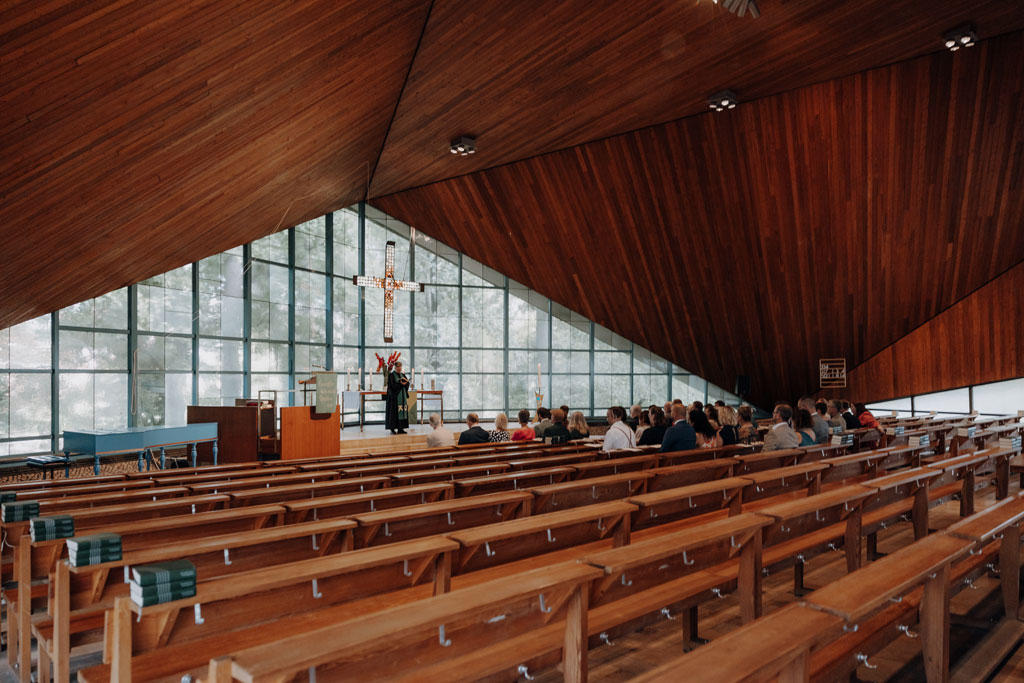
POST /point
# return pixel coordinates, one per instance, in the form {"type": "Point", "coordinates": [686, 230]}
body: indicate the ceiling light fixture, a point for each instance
{"type": "Point", "coordinates": [740, 7]}
{"type": "Point", "coordinates": [723, 100]}
{"type": "Point", "coordinates": [463, 145]}
{"type": "Point", "coordinates": [961, 36]}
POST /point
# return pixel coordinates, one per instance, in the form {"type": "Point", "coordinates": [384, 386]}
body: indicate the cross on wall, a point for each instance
{"type": "Point", "coordinates": [390, 285]}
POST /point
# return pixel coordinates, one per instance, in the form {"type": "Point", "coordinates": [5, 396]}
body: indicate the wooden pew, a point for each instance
{"type": "Point", "coordinates": [519, 479]}
{"type": "Point", "coordinates": [268, 604]}
{"type": "Point", "coordinates": [778, 645]}
{"type": "Point", "coordinates": [304, 478]}
{"type": "Point", "coordinates": [448, 473]}
{"type": "Point", "coordinates": [54, 506]}
{"type": "Point", "coordinates": [773, 482]}
{"type": "Point", "coordinates": [588, 491]}
{"type": "Point", "coordinates": [177, 478]}
{"type": "Point", "coordinates": [471, 643]}
{"type": "Point", "coordinates": [567, 459]}
{"type": "Point", "coordinates": [686, 474]}
{"type": "Point", "coordinates": [30, 484]}
{"type": "Point", "coordinates": [805, 527]}
{"type": "Point", "coordinates": [601, 468]}
{"type": "Point", "coordinates": [502, 542]}
{"type": "Point", "coordinates": [328, 507]}
{"type": "Point", "coordinates": [389, 526]}
{"type": "Point", "coordinates": [396, 467]}
{"type": "Point", "coordinates": [46, 493]}
{"type": "Point", "coordinates": [759, 462]}
{"type": "Point", "coordinates": [80, 593]}
{"type": "Point", "coordinates": [857, 595]}
{"type": "Point", "coordinates": [889, 502]}
{"type": "Point", "coordinates": [681, 568]}
{"type": "Point", "coordinates": [688, 501]}
{"type": "Point", "coordinates": [291, 492]}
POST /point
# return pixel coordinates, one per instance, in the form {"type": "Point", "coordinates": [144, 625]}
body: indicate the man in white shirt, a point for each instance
{"type": "Point", "coordinates": [440, 436]}
{"type": "Point", "coordinates": [619, 434]}
{"type": "Point", "coordinates": [781, 435]}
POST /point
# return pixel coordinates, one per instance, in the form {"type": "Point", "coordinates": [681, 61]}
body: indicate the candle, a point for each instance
{"type": "Point", "coordinates": [347, 370]}
{"type": "Point", "coordinates": [412, 378]}
{"type": "Point", "coordinates": [538, 378]}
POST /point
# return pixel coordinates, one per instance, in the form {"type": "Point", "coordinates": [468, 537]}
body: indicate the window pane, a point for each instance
{"type": "Point", "coordinates": [955, 401]}
{"type": "Point", "coordinates": [269, 301]}
{"type": "Point", "coordinates": [884, 407]}
{"type": "Point", "coordinates": [164, 302]}
{"type": "Point", "coordinates": [29, 407]}
{"type": "Point", "coordinates": [346, 312]}
{"type": "Point", "coordinates": [437, 317]}
{"type": "Point", "coordinates": [221, 355]}
{"type": "Point", "coordinates": [272, 247]}
{"type": "Point", "coordinates": [221, 295]}
{"type": "Point", "coordinates": [164, 353]}
{"type": "Point", "coordinates": [163, 398]}
{"type": "Point", "coordinates": [346, 243]}
{"type": "Point", "coordinates": [268, 357]}
{"type": "Point", "coordinates": [219, 389]}
{"type": "Point", "coordinates": [310, 307]}
{"type": "Point", "coordinates": [26, 346]}
{"type": "Point", "coordinates": [108, 311]}
{"type": "Point", "coordinates": [311, 244]}
{"type": "Point", "coordinates": [1000, 398]}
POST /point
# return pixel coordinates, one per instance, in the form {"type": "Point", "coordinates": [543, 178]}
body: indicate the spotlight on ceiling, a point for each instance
{"type": "Point", "coordinates": [741, 7]}
{"type": "Point", "coordinates": [961, 36]}
{"type": "Point", "coordinates": [463, 145]}
{"type": "Point", "coordinates": [723, 100]}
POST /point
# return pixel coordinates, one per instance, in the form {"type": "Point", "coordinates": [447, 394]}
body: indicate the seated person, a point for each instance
{"type": "Point", "coordinates": [525, 432]}
{"type": "Point", "coordinates": [655, 434]}
{"type": "Point", "coordinates": [475, 433]}
{"type": "Point", "coordinates": [835, 415]}
{"type": "Point", "coordinates": [441, 436]}
{"type": "Point", "coordinates": [557, 432]}
{"type": "Point", "coordinates": [728, 419]}
{"type": "Point", "coordinates": [747, 429]}
{"type": "Point", "coordinates": [805, 427]}
{"type": "Point", "coordinates": [619, 435]}
{"type": "Point", "coordinates": [851, 420]}
{"type": "Point", "coordinates": [781, 435]}
{"type": "Point", "coordinates": [578, 427]}
{"type": "Point", "coordinates": [543, 422]}
{"type": "Point", "coordinates": [500, 431]}
{"type": "Point", "coordinates": [680, 436]}
{"type": "Point", "coordinates": [707, 433]}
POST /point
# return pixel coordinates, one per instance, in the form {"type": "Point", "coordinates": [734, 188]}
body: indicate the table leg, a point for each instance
{"type": "Point", "coordinates": [163, 458]}
{"type": "Point", "coordinates": [852, 541]}
{"type": "Point", "coordinates": [96, 464]}
{"type": "Point", "coordinates": [1002, 478]}
{"type": "Point", "coordinates": [935, 626]}
{"type": "Point", "coordinates": [149, 459]}
{"type": "Point", "coordinates": [67, 464]}
{"type": "Point", "coordinates": [142, 454]}
{"type": "Point", "coordinates": [967, 494]}
{"type": "Point", "coordinates": [195, 456]}
{"type": "Point", "coordinates": [215, 451]}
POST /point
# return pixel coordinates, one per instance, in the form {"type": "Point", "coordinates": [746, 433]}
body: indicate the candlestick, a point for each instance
{"type": "Point", "coordinates": [538, 377]}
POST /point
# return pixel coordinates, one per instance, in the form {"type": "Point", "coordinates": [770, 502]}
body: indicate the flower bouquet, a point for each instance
{"type": "Point", "coordinates": [384, 367]}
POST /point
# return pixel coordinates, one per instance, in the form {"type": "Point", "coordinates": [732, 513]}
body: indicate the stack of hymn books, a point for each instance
{"type": "Point", "coordinates": [52, 528]}
{"type": "Point", "coordinates": [923, 440]}
{"type": "Point", "coordinates": [8, 496]}
{"type": "Point", "coordinates": [94, 549]}
{"type": "Point", "coordinates": [842, 440]}
{"type": "Point", "coordinates": [1010, 442]}
{"type": "Point", "coordinates": [19, 511]}
{"type": "Point", "coordinates": [153, 584]}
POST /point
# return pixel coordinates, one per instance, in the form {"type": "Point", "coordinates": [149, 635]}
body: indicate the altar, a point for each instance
{"type": "Point", "coordinates": [416, 396]}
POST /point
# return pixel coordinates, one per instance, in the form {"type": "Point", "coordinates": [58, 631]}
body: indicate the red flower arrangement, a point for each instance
{"type": "Point", "coordinates": [386, 366]}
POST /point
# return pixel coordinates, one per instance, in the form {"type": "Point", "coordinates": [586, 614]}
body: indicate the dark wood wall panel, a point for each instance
{"type": "Point", "coordinates": [824, 222]}
{"type": "Point", "coordinates": [528, 81]}
{"type": "Point", "coordinates": [139, 136]}
{"type": "Point", "coordinates": [979, 339]}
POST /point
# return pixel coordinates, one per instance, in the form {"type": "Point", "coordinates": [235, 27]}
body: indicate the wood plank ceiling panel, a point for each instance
{"type": "Point", "coordinates": [977, 340]}
{"type": "Point", "coordinates": [139, 136]}
{"type": "Point", "coordinates": [826, 221]}
{"type": "Point", "coordinates": [528, 79]}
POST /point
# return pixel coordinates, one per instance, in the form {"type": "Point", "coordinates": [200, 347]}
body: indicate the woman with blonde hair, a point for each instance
{"type": "Point", "coordinates": [578, 427]}
{"type": "Point", "coordinates": [500, 431]}
{"type": "Point", "coordinates": [728, 420]}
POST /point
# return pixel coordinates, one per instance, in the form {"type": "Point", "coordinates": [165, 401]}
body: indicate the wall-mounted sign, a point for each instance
{"type": "Point", "coordinates": [832, 373]}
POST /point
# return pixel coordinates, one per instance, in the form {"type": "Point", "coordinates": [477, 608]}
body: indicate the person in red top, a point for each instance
{"type": "Point", "coordinates": [524, 433]}
{"type": "Point", "coordinates": [865, 417]}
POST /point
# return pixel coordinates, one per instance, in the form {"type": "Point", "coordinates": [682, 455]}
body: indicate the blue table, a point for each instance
{"type": "Point", "coordinates": [141, 440]}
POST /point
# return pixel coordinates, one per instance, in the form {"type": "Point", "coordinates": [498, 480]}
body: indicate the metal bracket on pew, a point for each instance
{"type": "Point", "coordinates": [316, 591]}
{"type": "Point", "coordinates": [969, 582]}
{"type": "Point", "coordinates": [551, 539]}
{"type": "Point", "coordinates": [524, 672]}
{"type": "Point", "coordinates": [605, 639]}
{"type": "Point", "coordinates": [992, 568]}
{"type": "Point", "coordinates": [387, 530]}
{"type": "Point", "coordinates": [863, 659]}
{"type": "Point", "coordinates": [405, 568]}
{"type": "Point", "coordinates": [315, 546]}
{"type": "Point", "coordinates": [733, 543]}
{"type": "Point", "coordinates": [600, 524]}
{"type": "Point", "coordinates": [543, 607]}
{"type": "Point", "coordinates": [688, 563]}
{"type": "Point", "coordinates": [197, 614]}
{"type": "Point", "coordinates": [668, 615]}
{"type": "Point", "coordinates": [445, 642]}
{"type": "Point", "coordinates": [450, 521]}
{"type": "Point", "coordinates": [622, 580]}
{"type": "Point", "coordinates": [227, 556]}
{"type": "Point", "coordinates": [487, 550]}
{"type": "Point", "coordinates": [717, 592]}
{"type": "Point", "coordinates": [905, 630]}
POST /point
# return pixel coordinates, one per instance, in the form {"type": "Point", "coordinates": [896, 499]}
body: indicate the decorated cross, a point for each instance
{"type": "Point", "coordinates": [389, 284]}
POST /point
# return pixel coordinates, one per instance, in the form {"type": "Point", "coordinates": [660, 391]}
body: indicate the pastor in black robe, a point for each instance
{"type": "Point", "coordinates": [396, 411]}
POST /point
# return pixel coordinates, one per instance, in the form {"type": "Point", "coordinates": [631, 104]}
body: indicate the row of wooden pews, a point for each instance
{"type": "Point", "coordinates": [498, 522]}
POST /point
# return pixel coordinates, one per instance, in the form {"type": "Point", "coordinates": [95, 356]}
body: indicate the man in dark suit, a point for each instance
{"type": "Point", "coordinates": [475, 433]}
{"type": "Point", "coordinates": [851, 420]}
{"type": "Point", "coordinates": [680, 436]}
{"type": "Point", "coordinates": [557, 432]}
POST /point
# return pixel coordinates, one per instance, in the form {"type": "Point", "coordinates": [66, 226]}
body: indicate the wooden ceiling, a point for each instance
{"type": "Point", "coordinates": [823, 222]}
{"type": "Point", "coordinates": [139, 136]}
